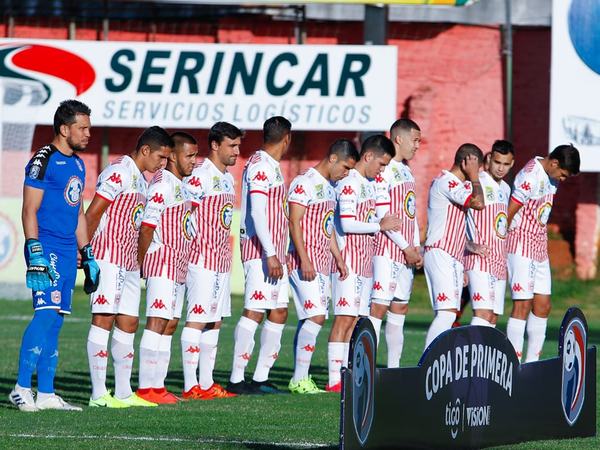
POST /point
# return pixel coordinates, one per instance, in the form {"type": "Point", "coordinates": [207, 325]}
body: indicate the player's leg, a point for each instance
{"type": "Point", "coordinates": [482, 287]}
{"type": "Point", "coordinates": [521, 273]}
{"type": "Point", "coordinates": [382, 291]}
{"type": "Point", "coordinates": [401, 289]}
{"type": "Point", "coordinates": [537, 319]}
{"type": "Point", "coordinates": [499, 300]}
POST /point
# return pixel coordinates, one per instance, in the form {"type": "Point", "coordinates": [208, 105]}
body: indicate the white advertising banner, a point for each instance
{"type": "Point", "coordinates": [575, 79]}
{"type": "Point", "coordinates": [317, 87]}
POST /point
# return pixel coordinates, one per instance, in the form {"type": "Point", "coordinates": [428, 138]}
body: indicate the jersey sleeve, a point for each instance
{"type": "Point", "coordinates": [113, 181]}
{"type": "Point", "coordinates": [195, 184]}
{"type": "Point", "coordinates": [259, 178]}
{"type": "Point", "coordinates": [524, 186]}
{"type": "Point", "coordinates": [301, 192]}
{"type": "Point", "coordinates": [39, 171]}
{"type": "Point", "coordinates": [455, 191]}
{"type": "Point", "coordinates": [159, 196]}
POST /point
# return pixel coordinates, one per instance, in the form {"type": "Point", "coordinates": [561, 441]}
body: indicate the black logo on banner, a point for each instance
{"type": "Point", "coordinates": [363, 386]}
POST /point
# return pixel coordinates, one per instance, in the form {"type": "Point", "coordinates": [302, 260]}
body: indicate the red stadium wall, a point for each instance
{"type": "Point", "coordinates": [450, 80]}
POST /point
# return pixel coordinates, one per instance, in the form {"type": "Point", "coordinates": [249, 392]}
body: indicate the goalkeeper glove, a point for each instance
{"type": "Point", "coordinates": [90, 268]}
{"type": "Point", "coordinates": [40, 273]}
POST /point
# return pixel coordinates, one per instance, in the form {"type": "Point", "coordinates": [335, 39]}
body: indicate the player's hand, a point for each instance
{"type": "Point", "coordinates": [470, 167]}
{"type": "Point", "coordinates": [413, 257]}
{"type": "Point", "coordinates": [478, 249]}
{"type": "Point", "coordinates": [275, 268]}
{"type": "Point", "coordinates": [390, 222]}
{"type": "Point", "coordinates": [465, 279]}
{"type": "Point", "coordinates": [308, 270]}
{"type": "Point", "coordinates": [40, 274]}
{"type": "Point", "coordinates": [90, 268]}
{"type": "Point", "coordinates": [343, 269]}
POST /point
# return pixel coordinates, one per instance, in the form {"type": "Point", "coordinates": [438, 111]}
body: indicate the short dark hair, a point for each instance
{"type": "Point", "coordinates": [154, 137]}
{"type": "Point", "coordinates": [181, 137]}
{"type": "Point", "coordinates": [345, 149]}
{"type": "Point", "coordinates": [67, 112]}
{"type": "Point", "coordinates": [503, 147]}
{"type": "Point", "coordinates": [568, 158]}
{"type": "Point", "coordinates": [403, 125]}
{"type": "Point", "coordinates": [221, 130]}
{"type": "Point", "coordinates": [275, 129]}
{"type": "Point", "coordinates": [379, 145]}
{"type": "Point", "coordinates": [465, 150]}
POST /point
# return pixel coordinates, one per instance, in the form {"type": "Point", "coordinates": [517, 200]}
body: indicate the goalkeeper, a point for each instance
{"type": "Point", "coordinates": [55, 227]}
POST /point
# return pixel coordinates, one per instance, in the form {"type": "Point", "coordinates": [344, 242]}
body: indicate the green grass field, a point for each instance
{"type": "Point", "coordinates": [270, 422]}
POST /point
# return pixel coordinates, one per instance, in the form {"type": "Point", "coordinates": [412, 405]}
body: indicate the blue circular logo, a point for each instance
{"type": "Point", "coordinates": [584, 17]}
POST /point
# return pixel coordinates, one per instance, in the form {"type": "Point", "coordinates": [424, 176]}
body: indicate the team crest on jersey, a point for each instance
{"type": "Point", "coordinates": [278, 176]}
{"type": "Point", "coordinates": [397, 175]}
{"type": "Point", "coordinates": [328, 224]}
{"type": "Point", "coordinates": [544, 214]}
{"type": "Point", "coordinates": [226, 186]}
{"type": "Point", "coordinates": [363, 191]}
{"type": "Point", "coordinates": [73, 191]}
{"type": "Point", "coordinates": [286, 209]}
{"type": "Point", "coordinates": [226, 215]}
{"type": "Point", "coordinates": [405, 174]}
{"type": "Point", "coordinates": [136, 216]}
{"type": "Point", "coordinates": [188, 226]}
{"type": "Point", "coordinates": [34, 172]}
{"type": "Point", "coordinates": [410, 204]}
{"type": "Point", "coordinates": [573, 346]}
{"type": "Point", "coordinates": [216, 184]}
{"type": "Point", "coordinates": [489, 193]}
{"type": "Point", "coordinates": [370, 216]}
{"type": "Point", "coordinates": [178, 194]}
{"type": "Point", "coordinates": [320, 191]}
{"type": "Point", "coordinates": [501, 196]}
{"type": "Point", "coordinates": [501, 225]}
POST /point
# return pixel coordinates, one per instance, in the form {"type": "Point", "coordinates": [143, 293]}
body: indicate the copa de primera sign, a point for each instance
{"type": "Point", "coordinates": [130, 84]}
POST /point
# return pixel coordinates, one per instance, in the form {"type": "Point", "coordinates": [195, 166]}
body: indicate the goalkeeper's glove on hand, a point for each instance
{"type": "Point", "coordinates": [90, 268]}
{"type": "Point", "coordinates": [40, 273]}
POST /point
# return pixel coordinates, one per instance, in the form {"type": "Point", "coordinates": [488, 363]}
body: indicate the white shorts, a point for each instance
{"type": "Point", "coordinates": [486, 291]}
{"type": "Point", "coordinates": [261, 293]}
{"type": "Point", "coordinates": [391, 280]}
{"type": "Point", "coordinates": [164, 298]}
{"type": "Point", "coordinates": [118, 292]}
{"type": "Point", "coordinates": [351, 297]}
{"type": "Point", "coordinates": [444, 276]}
{"type": "Point", "coordinates": [208, 295]}
{"type": "Point", "coordinates": [528, 277]}
{"type": "Point", "coordinates": [310, 297]}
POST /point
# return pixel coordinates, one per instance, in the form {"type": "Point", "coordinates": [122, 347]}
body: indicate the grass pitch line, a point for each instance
{"type": "Point", "coordinates": [159, 439]}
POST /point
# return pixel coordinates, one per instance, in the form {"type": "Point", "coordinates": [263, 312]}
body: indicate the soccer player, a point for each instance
{"type": "Point", "coordinates": [166, 235]}
{"type": "Point", "coordinates": [263, 239]}
{"type": "Point", "coordinates": [450, 193]}
{"type": "Point", "coordinates": [312, 204]}
{"type": "Point", "coordinates": [396, 254]}
{"type": "Point", "coordinates": [114, 218]}
{"type": "Point", "coordinates": [528, 264]}
{"type": "Point", "coordinates": [208, 278]}
{"type": "Point", "coordinates": [355, 225]}
{"type": "Point", "coordinates": [487, 228]}
{"type": "Point", "coordinates": [55, 227]}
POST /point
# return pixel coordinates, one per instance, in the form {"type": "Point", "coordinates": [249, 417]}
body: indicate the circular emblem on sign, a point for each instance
{"type": "Point", "coordinates": [363, 387]}
{"type": "Point", "coordinates": [328, 224]}
{"type": "Point", "coordinates": [8, 240]}
{"type": "Point", "coordinates": [136, 216]}
{"type": "Point", "coordinates": [500, 225]}
{"type": "Point", "coordinates": [573, 334]}
{"type": "Point", "coordinates": [583, 20]}
{"type": "Point", "coordinates": [226, 215]}
{"type": "Point", "coordinates": [410, 204]}
{"type": "Point", "coordinates": [188, 226]}
{"type": "Point", "coordinates": [73, 191]}
{"type": "Point", "coordinates": [544, 214]}
{"type": "Point", "coordinates": [370, 216]}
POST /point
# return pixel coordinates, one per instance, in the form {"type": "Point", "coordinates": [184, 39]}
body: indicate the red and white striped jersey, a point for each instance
{"type": "Point", "coordinates": [116, 238]}
{"type": "Point", "coordinates": [315, 193]}
{"type": "Point", "coordinates": [213, 193]}
{"type": "Point", "coordinates": [489, 227]}
{"type": "Point", "coordinates": [262, 176]}
{"type": "Point", "coordinates": [396, 187]}
{"type": "Point", "coordinates": [169, 212]}
{"type": "Point", "coordinates": [356, 199]}
{"type": "Point", "coordinates": [446, 208]}
{"type": "Point", "coordinates": [535, 190]}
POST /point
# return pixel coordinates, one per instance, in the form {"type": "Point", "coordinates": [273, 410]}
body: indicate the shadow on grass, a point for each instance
{"type": "Point", "coordinates": [283, 447]}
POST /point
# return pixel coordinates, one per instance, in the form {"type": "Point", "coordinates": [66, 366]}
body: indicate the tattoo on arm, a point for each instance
{"type": "Point", "coordinates": [477, 201]}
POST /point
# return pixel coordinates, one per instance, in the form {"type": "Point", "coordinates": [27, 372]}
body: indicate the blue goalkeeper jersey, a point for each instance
{"type": "Point", "coordinates": [62, 178]}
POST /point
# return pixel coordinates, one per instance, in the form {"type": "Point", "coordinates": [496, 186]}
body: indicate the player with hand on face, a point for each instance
{"type": "Point", "coordinates": [114, 218]}
{"type": "Point", "coordinates": [312, 204]}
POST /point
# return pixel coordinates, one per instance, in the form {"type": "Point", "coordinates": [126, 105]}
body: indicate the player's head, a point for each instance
{"type": "Point", "coordinates": [183, 157]}
{"type": "Point", "coordinates": [224, 140]}
{"type": "Point", "coordinates": [466, 150]}
{"type": "Point", "coordinates": [153, 148]}
{"type": "Point", "coordinates": [500, 160]}
{"type": "Point", "coordinates": [72, 123]}
{"type": "Point", "coordinates": [277, 130]}
{"type": "Point", "coordinates": [564, 162]}
{"type": "Point", "coordinates": [406, 137]}
{"type": "Point", "coordinates": [376, 152]}
{"type": "Point", "coordinates": [342, 156]}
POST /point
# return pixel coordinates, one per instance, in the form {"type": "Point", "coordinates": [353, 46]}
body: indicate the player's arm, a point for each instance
{"type": "Point", "coordinates": [513, 209]}
{"type": "Point", "coordinates": [470, 166]}
{"type": "Point", "coordinates": [144, 241]}
{"type": "Point", "coordinates": [337, 256]}
{"type": "Point", "coordinates": [94, 213]}
{"type": "Point", "coordinates": [412, 257]}
{"type": "Point", "coordinates": [307, 268]}
{"type": "Point", "coordinates": [32, 200]}
{"type": "Point", "coordinates": [258, 212]}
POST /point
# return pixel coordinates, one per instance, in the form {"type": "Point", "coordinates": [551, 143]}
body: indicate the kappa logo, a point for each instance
{"type": "Point", "coordinates": [274, 355]}
{"type": "Point", "coordinates": [195, 181]}
{"type": "Point", "coordinates": [246, 356]}
{"type": "Point", "coordinates": [193, 349]}
{"type": "Point", "coordinates": [309, 348]}
{"type": "Point", "coordinates": [348, 191]}
{"type": "Point", "coordinates": [377, 286]}
{"type": "Point", "coordinates": [343, 302]}
{"type": "Point", "coordinates": [477, 297]}
{"type": "Point", "coordinates": [158, 304]}
{"type": "Point", "coordinates": [158, 198]}
{"type": "Point", "coordinates": [116, 178]}
{"type": "Point", "coordinates": [18, 61]}
{"type": "Point", "coordinates": [258, 296]}
{"type": "Point", "coordinates": [525, 186]}
{"type": "Point", "coordinates": [130, 355]}
{"type": "Point", "coordinates": [260, 176]}
{"type": "Point", "coordinates": [101, 354]}
{"type": "Point", "coordinates": [308, 304]}
{"type": "Point", "coordinates": [452, 184]}
{"type": "Point", "coordinates": [442, 297]}
{"type": "Point", "coordinates": [379, 178]}
{"type": "Point", "coordinates": [101, 300]}
{"type": "Point", "coordinates": [197, 309]}
{"type": "Point", "coordinates": [299, 190]}
{"type": "Point", "coordinates": [517, 288]}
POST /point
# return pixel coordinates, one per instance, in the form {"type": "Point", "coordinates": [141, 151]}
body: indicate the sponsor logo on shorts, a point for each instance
{"type": "Point", "coordinates": [158, 304]}
{"type": "Point", "coordinates": [342, 302]}
{"type": "Point", "coordinates": [55, 297]}
{"type": "Point", "coordinates": [377, 286]}
{"type": "Point", "coordinates": [308, 304]}
{"type": "Point", "coordinates": [258, 295]}
{"type": "Point", "coordinates": [197, 309]}
{"type": "Point", "coordinates": [442, 297]}
{"type": "Point", "coordinates": [477, 297]}
{"type": "Point", "coordinates": [517, 288]}
{"type": "Point", "coordinates": [101, 300]}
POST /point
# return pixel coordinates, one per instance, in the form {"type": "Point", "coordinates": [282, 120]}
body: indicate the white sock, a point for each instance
{"type": "Point", "coordinates": [243, 339]}
{"type": "Point", "coordinates": [270, 344]}
{"type": "Point", "coordinates": [97, 351]}
{"type": "Point", "coordinates": [442, 322]}
{"type": "Point", "coordinates": [163, 360]}
{"type": "Point", "coordinates": [536, 335]}
{"type": "Point", "coordinates": [335, 356]}
{"type": "Point", "coordinates": [213, 356]}
{"type": "Point", "coordinates": [305, 347]}
{"type": "Point", "coordinates": [480, 321]}
{"type": "Point", "coordinates": [148, 358]}
{"type": "Point", "coordinates": [515, 331]}
{"type": "Point", "coordinates": [394, 338]}
{"type": "Point", "coordinates": [208, 342]}
{"type": "Point", "coordinates": [377, 325]}
{"type": "Point", "coordinates": [190, 351]}
{"type": "Point", "coordinates": [123, 352]}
